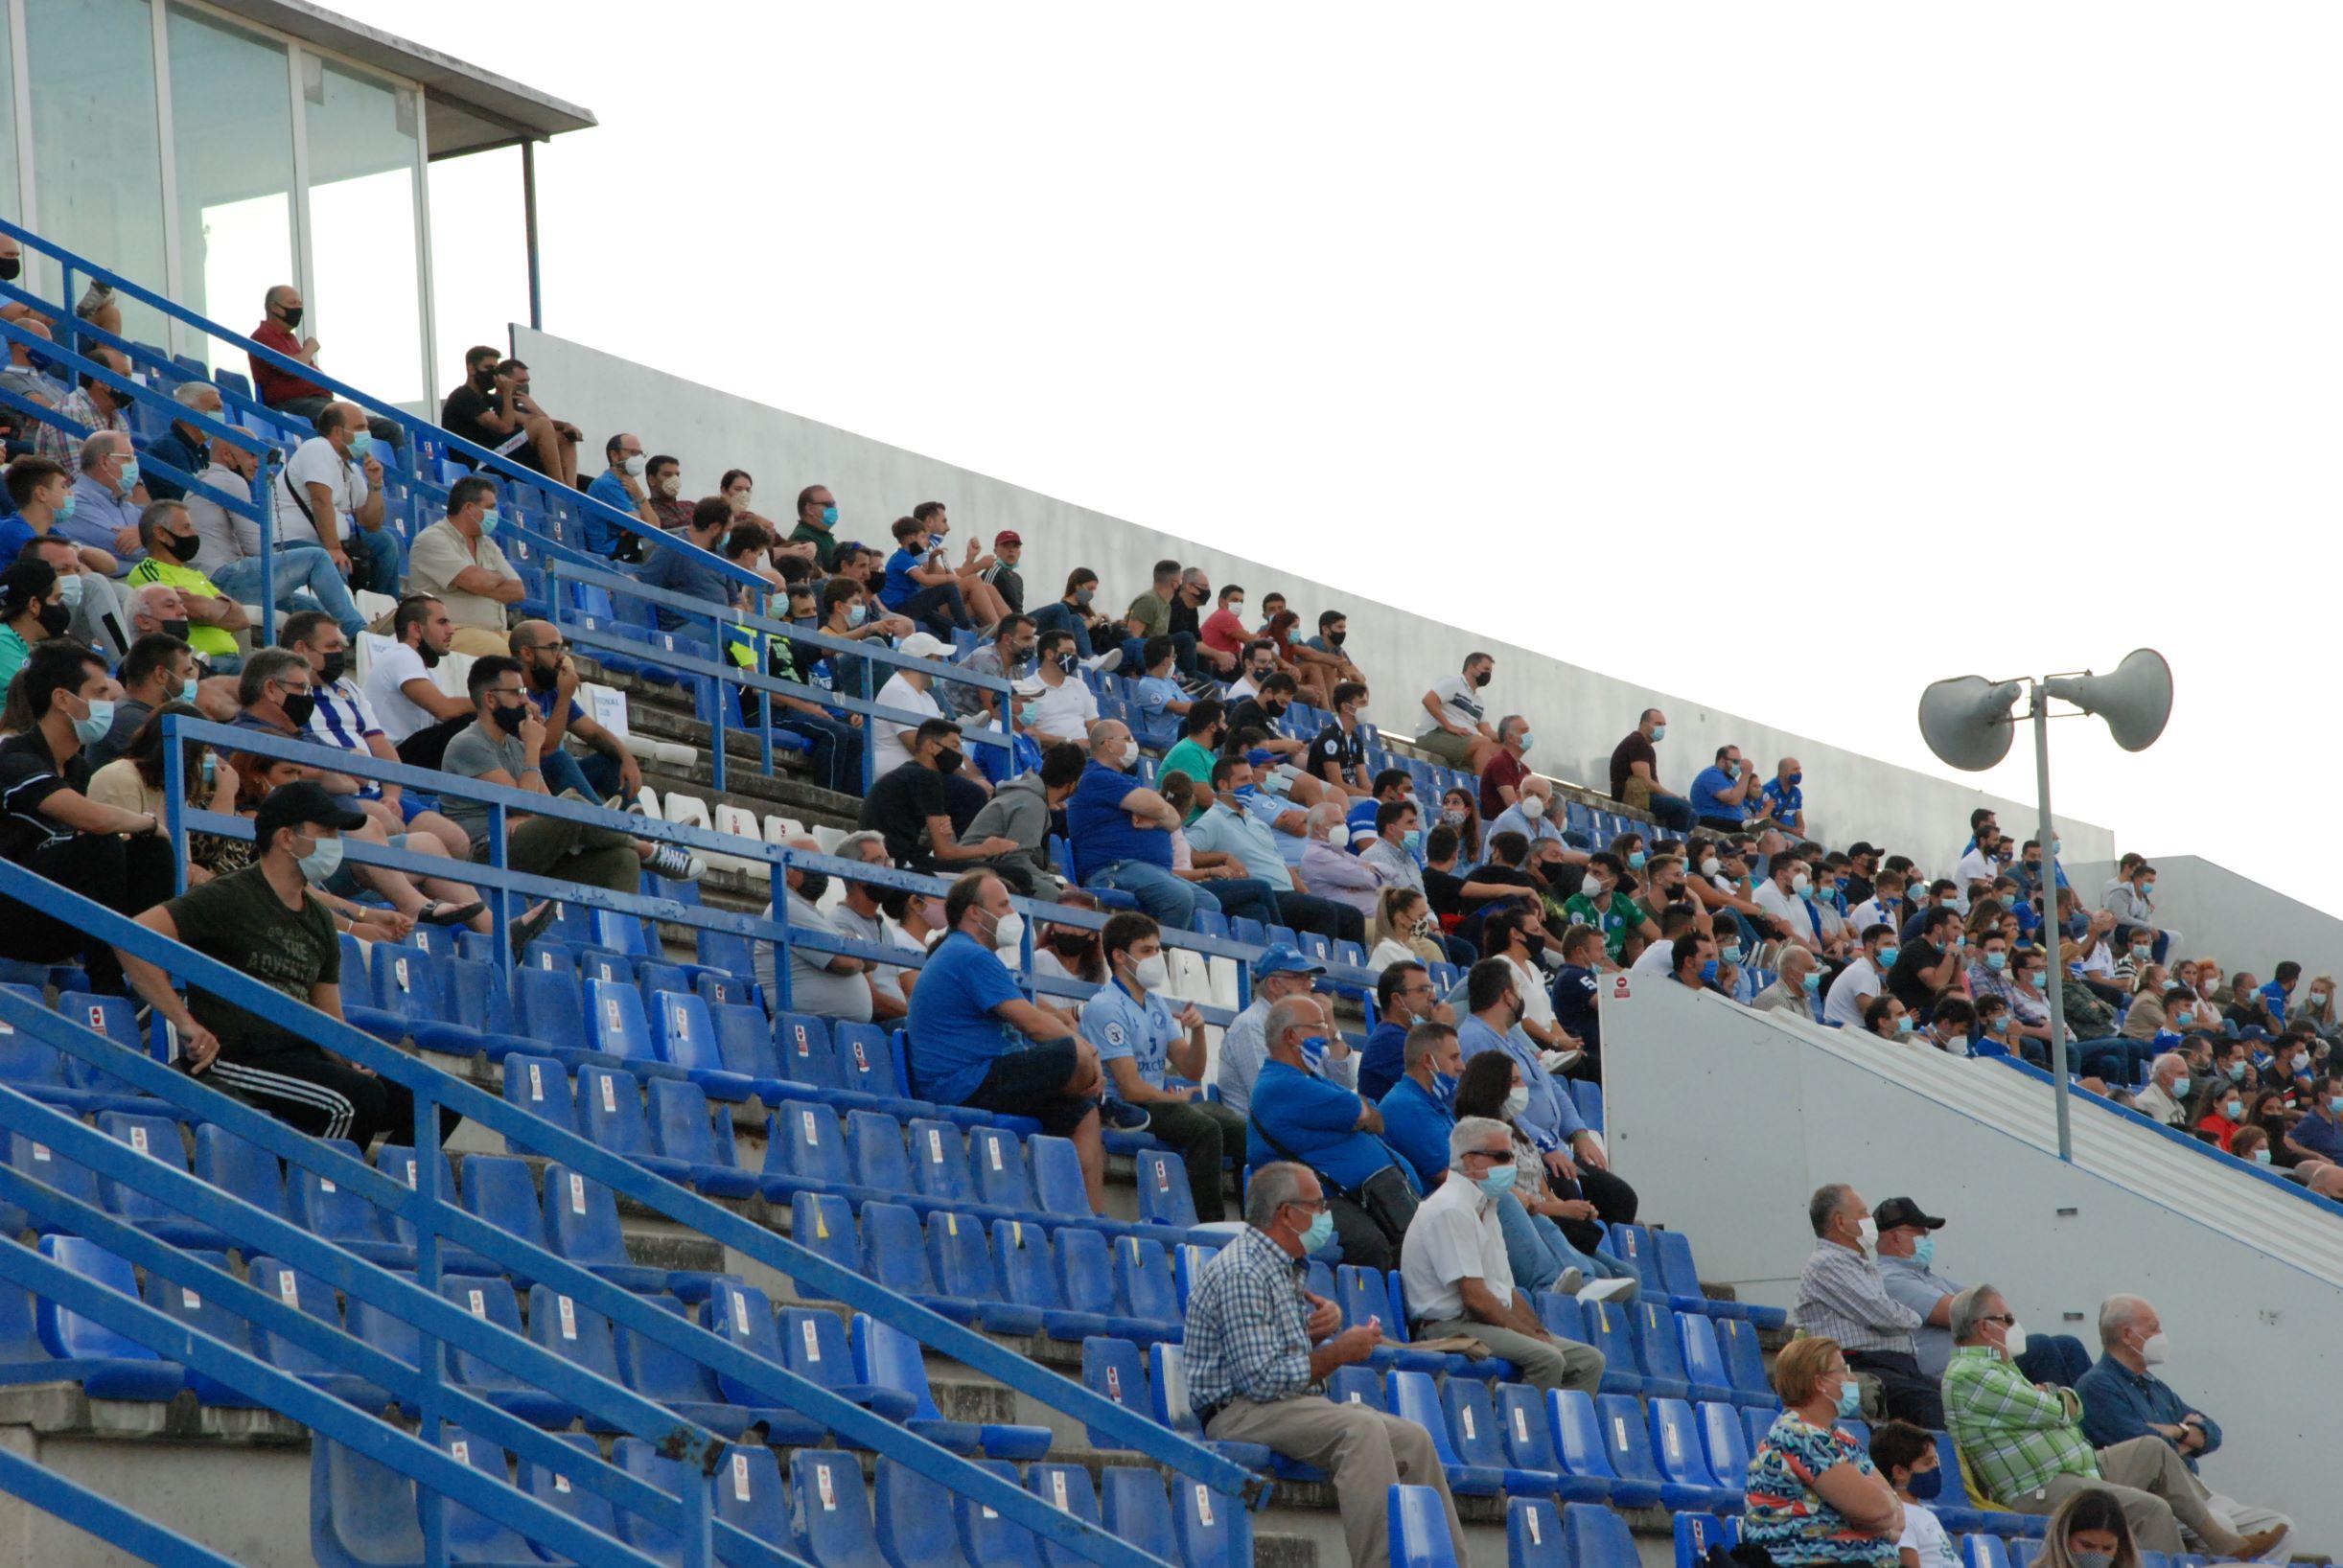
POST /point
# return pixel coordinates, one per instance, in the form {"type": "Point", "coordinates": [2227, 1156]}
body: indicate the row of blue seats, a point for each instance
{"type": "Point", "coordinates": [1542, 1534]}
{"type": "Point", "coordinates": [364, 1514]}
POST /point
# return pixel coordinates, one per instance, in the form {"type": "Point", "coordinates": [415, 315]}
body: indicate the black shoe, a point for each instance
{"type": "Point", "coordinates": [1122, 1117]}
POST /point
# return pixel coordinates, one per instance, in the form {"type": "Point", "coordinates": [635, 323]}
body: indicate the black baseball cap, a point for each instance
{"type": "Point", "coordinates": [298, 804]}
{"type": "Point", "coordinates": [1897, 1211]}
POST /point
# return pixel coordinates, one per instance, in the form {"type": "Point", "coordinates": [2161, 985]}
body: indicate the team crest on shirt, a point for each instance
{"type": "Point", "coordinates": [1114, 1034]}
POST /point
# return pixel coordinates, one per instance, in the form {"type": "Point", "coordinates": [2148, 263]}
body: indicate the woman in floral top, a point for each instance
{"type": "Point", "coordinates": [1814, 1496]}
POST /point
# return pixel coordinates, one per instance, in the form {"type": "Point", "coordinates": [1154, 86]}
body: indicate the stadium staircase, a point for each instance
{"type": "Point", "coordinates": [697, 1279]}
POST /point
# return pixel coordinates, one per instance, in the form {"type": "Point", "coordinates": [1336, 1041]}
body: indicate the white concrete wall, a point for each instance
{"type": "Point", "coordinates": [1725, 1122]}
{"type": "Point", "coordinates": [1577, 714]}
{"type": "Point", "coordinates": [2221, 915]}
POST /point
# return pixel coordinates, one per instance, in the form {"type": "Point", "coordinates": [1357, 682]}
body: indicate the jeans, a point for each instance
{"type": "Point", "coordinates": [1245, 898]}
{"type": "Point", "coordinates": [377, 561]}
{"type": "Point", "coordinates": [939, 609]}
{"type": "Point", "coordinates": [1335, 921]}
{"type": "Point", "coordinates": [837, 752]}
{"type": "Point", "coordinates": [1538, 1249]}
{"type": "Point", "coordinates": [1172, 901]}
{"type": "Point", "coordinates": [305, 580]}
{"type": "Point", "coordinates": [1061, 617]}
{"type": "Point", "coordinates": [595, 776]}
{"type": "Point", "coordinates": [1672, 811]}
{"type": "Point", "coordinates": [2115, 1058]}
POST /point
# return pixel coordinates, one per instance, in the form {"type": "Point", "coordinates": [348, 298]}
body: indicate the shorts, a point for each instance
{"type": "Point", "coordinates": [344, 882]}
{"type": "Point", "coordinates": [1451, 749]}
{"type": "Point", "coordinates": [1032, 1083]}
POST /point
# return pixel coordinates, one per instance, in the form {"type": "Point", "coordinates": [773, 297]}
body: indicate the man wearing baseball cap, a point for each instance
{"type": "Point", "coordinates": [264, 922]}
{"type": "Point", "coordinates": [1278, 973]}
{"type": "Point", "coordinates": [1006, 549]}
{"type": "Point", "coordinates": [1906, 1269]}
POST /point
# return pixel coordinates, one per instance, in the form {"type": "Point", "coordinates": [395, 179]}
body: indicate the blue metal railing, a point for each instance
{"type": "Point", "coordinates": [426, 1208]}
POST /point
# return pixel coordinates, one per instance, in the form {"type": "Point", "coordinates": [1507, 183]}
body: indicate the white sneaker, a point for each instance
{"type": "Point", "coordinates": [1610, 1290]}
{"type": "Point", "coordinates": [1105, 663]}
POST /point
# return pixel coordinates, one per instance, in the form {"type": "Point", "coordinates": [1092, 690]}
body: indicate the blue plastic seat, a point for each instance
{"type": "Point", "coordinates": [1086, 1284]}
{"type": "Point", "coordinates": [609, 1114]}
{"type": "Point", "coordinates": [1633, 1246]}
{"type": "Point", "coordinates": [1697, 1533]}
{"type": "Point", "coordinates": [808, 1060]}
{"type": "Point", "coordinates": [159, 1139]}
{"type": "Point", "coordinates": [1599, 1539]}
{"type": "Point", "coordinates": [1112, 1370]}
{"type": "Point", "coordinates": [894, 1254]}
{"type": "Point", "coordinates": [1705, 1365]}
{"type": "Point", "coordinates": [114, 1018]}
{"type": "Point", "coordinates": [107, 1365]}
{"type": "Point", "coordinates": [539, 1086]}
{"type": "Point", "coordinates": [482, 1014]}
{"type": "Point", "coordinates": [751, 1498]}
{"type": "Point", "coordinates": [492, 1301]}
{"type": "Point", "coordinates": [198, 1309]}
{"type": "Point", "coordinates": [745, 1047]}
{"type": "Point", "coordinates": [688, 1386]}
{"type": "Point", "coordinates": [361, 1513]}
{"type": "Point", "coordinates": [1954, 1504]}
{"type": "Point", "coordinates": [1984, 1551]}
{"type": "Point", "coordinates": [551, 1010]}
{"type": "Point", "coordinates": [1132, 1504]}
{"type": "Point", "coordinates": [814, 1343]}
{"type": "Point", "coordinates": [1419, 1523]}
{"type": "Point", "coordinates": [1168, 1398]}
{"type": "Point", "coordinates": [869, 1063]}
{"type": "Point", "coordinates": [1067, 1489]}
{"type": "Point", "coordinates": [474, 1540]}
{"type": "Point", "coordinates": [616, 1027]}
{"type": "Point", "coordinates": [806, 1149]}
{"type": "Point", "coordinates": [1029, 1278]}
{"type": "Point", "coordinates": [1524, 1431]}
{"type": "Point", "coordinates": [501, 1190]}
{"type": "Point", "coordinates": [1726, 1443]}
{"type": "Point", "coordinates": [36, 1160]}
{"type": "Point", "coordinates": [990, 1537]}
{"type": "Point", "coordinates": [1628, 1443]}
{"type": "Point", "coordinates": [581, 1218]}
{"type": "Point", "coordinates": [1533, 1534]}
{"type": "Point", "coordinates": [242, 1168]}
{"type": "Point", "coordinates": [886, 1357]}
{"type": "Point", "coordinates": [331, 1212]}
{"type": "Point", "coordinates": [1661, 1350]}
{"type": "Point", "coordinates": [685, 1037]}
{"type": "Point", "coordinates": [409, 989]}
{"type": "Point", "coordinates": [554, 1488]}
{"type": "Point", "coordinates": [647, 1463]}
{"type": "Point", "coordinates": [743, 1315]}
{"type": "Point", "coordinates": [916, 1520]}
{"type": "Point", "coordinates": [1608, 1328]}
{"type": "Point", "coordinates": [1588, 1474]}
{"type": "Point", "coordinates": [721, 987]}
{"type": "Point", "coordinates": [311, 1296]}
{"type": "Point", "coordinates": [1164, 1197]}
{"type": "Point", "coordinates": [939, 1165]}
{"type": "Point", "coordinates": [833, 1510]}
{"type": "Point", "coordinates": [1745, 1363]}
{"type": "Point", "coordinates": [1143, 1278]}
{"type": "Point", "coordinates": [1002, 1185]}
{"type": "Point", "coordinates": [1363, 1294]}
{"type": "Point", "coordinates": [37, 1068]}
{"type": "Point", "coordinates": [965, 1268]}
{"type": "Point", "coordinates": [1414, 1398]}
{"type": "Point", "coordinates": [1684, 1280]}
{"type": "Point", "coordinates": [575, 1332]}
{"type": "Point", "coordinates": [684, 1134]}
{"type": "Point", "coordinates": [1676, 1445]}
{"type": "Point", "coordinates": [1474, 1432]}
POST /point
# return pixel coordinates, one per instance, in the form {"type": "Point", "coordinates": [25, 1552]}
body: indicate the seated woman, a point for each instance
{"type": "Point", "coordinates": [1533, 1212]}
{"type": "Point", "coordinates": [1815, 1498]}
{"type": "Point", "coordinates": [2088, 1531]}
{"type": "Point", "coordinates": [1409, 933]}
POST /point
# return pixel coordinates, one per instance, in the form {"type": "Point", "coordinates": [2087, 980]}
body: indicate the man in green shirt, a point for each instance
{"type": "Point", "coordinates": [1598, 904]}
{"type": "Point", "coordinates": [168, 535]}
{"type": "Point", "coordinates": [1205, 723]}
{"type": "Point", "coordinates": [2025, 1442]}
{"type": "Point", "coordinates": [1150, 616]}
{"type": "Point", "coordinates": [817, 519]}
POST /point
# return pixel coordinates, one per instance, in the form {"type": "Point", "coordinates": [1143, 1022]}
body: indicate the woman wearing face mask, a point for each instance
{"type": "Point", "coordinates": [1074, 613]}
{"type": "Point", "coordinates": [1815, 1498]}
{"type": "Point", "coordinates": [2218, 1111]}
{"type": "Point", "coordinates": [133, 781]}
{"type": "Point", "coordinates": [2315, 1004]}
{"type": "Point", "coordinates": [1456, 810]}
{"type": "Point", "coordinates": [2088, 1531]}
{"type": "Point", "coordinates": [2146, 1014]}
{"type": "Point", "coordinates": [1532, 1214]}
{"type": "Point", "coordinates": [1411, 934]}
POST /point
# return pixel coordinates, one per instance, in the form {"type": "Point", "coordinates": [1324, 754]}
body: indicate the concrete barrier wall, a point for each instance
{"type": "Point", "coordinates": [1577, 714]}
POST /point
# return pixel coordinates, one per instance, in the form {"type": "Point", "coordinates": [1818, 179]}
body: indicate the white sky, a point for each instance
{"type": "Point", "coordinates": [1871, 320]}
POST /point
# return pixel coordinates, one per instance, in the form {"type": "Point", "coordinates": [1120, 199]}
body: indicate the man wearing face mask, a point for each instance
{"type": "Point", "coordinates": [1725, 793]}
{"type": "Point", "coordinates": [2027, 1447]}
{"type": "Point", "coordinates": [1506, 770]}
{"type": "Point", "coordinates": [1842, 1297]}
{"type": "Point", "coordinates": [1906, 1269]}
{"type": "Point", "coordinates": [1296, 1111]}
{"type": "Point", "coordinates": [911, 807]}
{"type": "Point", "coordinates": [1785, 797]}
{"type": "Point", "coordinates": [1460, 734]}
{"type": "Point", "coordinates": [2122, 1399]}
{"type": "Point", "coordinates": [107, 496]}
{"type": "Point", "coordinates": [459, 562]}
{"type": "Point", "coordinates": [1419, 1107]}
{"type": "Point", "coordinates": [51, 826]}
{"type": "Point", "coordinates": [663, 477]}
{"type": "Point", "coordinates": [1278, 973]}
{"type": "Point", "coordinates": [168, 537]}
{"type": "Point", "coordinates": [622, 487]}
{"type": "Point", "coordinates": [1260, 1347]}
{"type": "Point", "coordinates": [94, 406]}
{"type": "Point", "coordinates": [977, 1040]}
{"type": "Point", "coordinates": [1141, 1038]}
{"type": "Point", "coordinates": [228, 546]}
{"type": "Point", "coordinates": [608, 772]}
{"type": "Point", "coordinates": [97, 614]}
{"type": "Point", "coordinates": [289, 392]}
{"type": "Point", "coordinates": [157, 669]}
{"type": "Point", "coordinates": [32, 610]}
{"type": "Point", "coordinates": [1121, 832]}
{"type": "Point", "coordinates": [818, 524]}
{"type": "Point", "coordinates": [1634, 775]}
{"type": "Point", "coordinates": [826, 985]}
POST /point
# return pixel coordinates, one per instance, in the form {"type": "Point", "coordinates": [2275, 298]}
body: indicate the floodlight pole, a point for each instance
{"type": "Point", "coordinates": [2055, 967]}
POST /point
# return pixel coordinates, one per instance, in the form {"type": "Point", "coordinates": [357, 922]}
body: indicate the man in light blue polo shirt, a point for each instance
{"type": "Point", "coordinates": [1246, 822]}
{"type": "Point", "coordinates": [620, 487]}
{"type": "Point", "coordinates": [975, 1039]}
{"type": "Point", "coordinates": [1141, 1040]}
{"type": "Point", "coordinates": [1121, 832]}
{"type": "Point", "coordinates": [105, 508]}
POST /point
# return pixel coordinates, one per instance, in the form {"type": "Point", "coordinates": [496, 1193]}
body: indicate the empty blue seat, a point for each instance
{"type": "Point", "coordinates": [997, 1155]}
{"type": "Point", "coordinates": [198, 1308]}
{"type": "Point", "coordinates": [554, 1488]}
{"type": "Point", "coordinates": [685, 1037]}
{"type": "Point", "coordinates": [1627, 1443]}
{"type": "Point", "coordinates": [1112, 1370]}
{"type": "Point", "coordinates": [1705, 1365]}
{"type": "Point", "coordinates": [409, 989]}
{"type": "Point", "coordinates": [718, 988]}
{"type": "Point", "coordinates": [159, 1139]}
{"type": "Point", "coordinates": [1164, 1196]}
{"type": "Point", "coordinates": [1419, 1523]}
{"type": "Point", "coordinates": [1132, 1503]}
{"type": "Point", "coordinates": [1726, 1443]}
{"type": "Point", "coordinates": [240, 1168]}
{"type": "Point", "coordinates": [361, 1513]}
{"type": "Point", "coordinates": [539, 1086]}
{"type": "Point", "coordinates": [1364, 1294]}
{"type": "Point", "coordinates": [501, 1190]}
{"type": "Point", "coordinates": [581, 1220]}
{"type": "Point", "coordinates": [807, 1055]}
{"type": "Point", "coordinates": [1684, 1280]}
{"type": "Point", "coordinates": [107, 1365]}
{"type": "Point", "coordinates": [894, 1254]}
{"type": "Point", "coordinates": [988, 1536]}
{"type": "Point", "coordinates": [1474, 1432]}
{"type": "Point", "coordinates": [474, 1540]}
{"type": "Point", "coordinates": [886, 1357]}
{"type": "Point", "coordinates": [750, 1497]}
{"type": "Point", "coordinates": [616, 1027]}
{"type": "Point", "coordinates": [35, 1068]}
{"type": "Point", "coordinates": [745, 1045]}
{"type": "Point", "coordinates": [940, 1163]}
{"type": "Point", "coordinates": [492, 1301]}
{"type": "Point", "coordinates": [1745, 1363]}
{"type": "Point", "coordinates": [36, 1160]}
{"type": "Point", "coordinates": [481, 1012]}
{"type": "Point", "coordinates": [331, 1212]}
{"type": "Point", "coordinates": [815, 1345]}
{"type": "Point", "coordinates": [610, 1113]}
{"type": "Point", "coordinates": [1676, 1444]}
{"type": "Point", "coordinates": [1526, 1434]}
{"type": "Point", "coordinates": [689, 1387]}
{"type": "Point", "coordinates": [1533, 1534]}
{"type": "Point", "coordinates": [1585, 1451]}
{"type": "Point", "coordinates": [551, 1011]}
{"type": "Point", "coordinates": [805, 1147]}
{"type": "Point", "coordinates": [647, 1463]}
{"type": "Point", "coordinates": [833, 1510]}
{"type": "Point", "coordinates": [1632, 1245]}
{"type": "Point", "coordinates": [307, 1294]}
{"type": "Point", "coordinates": [1697, 1533]}
{"type": "Point", "coordinates": [684, 1134]}
{"type": "Point", "coordinates": [1168, 1398]}
{"type": "Point", "coordinates": [1067, 1489]}
{"type": "Point", "coordinates": [1609, 1329]}
{"type": "Point", "coordinates": [1984, 1551]}
{"type": "Point", "coordinates": [1662, 1353]}
{"type": "Point", "coordinates": [1414, 1398]}
{"type": "Point", "coordinates": [574, 1332]}
{"type": "Point", "coordinates": [1086, 1284]}
{"type": "Point", "coordinates": [1598, 1537]}
{"type": "Point", "coordinates": [1143, 1278]}
{"type": "Point", "coordinates": [822, 1223]}
{"type": "Point", "coordinates": [915, 1519]}
{"type": "Point", "coordinates": [962, 1259]}
{"type": "Point", "coordinates": [1029, 1278]}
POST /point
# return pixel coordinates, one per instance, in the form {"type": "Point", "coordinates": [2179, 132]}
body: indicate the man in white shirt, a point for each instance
{"type": "Point", "coordinates": [1860, 981]}
{"type": "Point", "coordinates": [1784, 894]}
{"type": "Point", "coordinates": [1260, 663]}
{"type": "Point", "coordinates": [330, 494]}
{"type": "Point", "coordinates": [1455, 1275]}
{"type": "Point", "coordinates": [1984, 859]}
{"type": "Point", "coordinates": [858, 915]}
{"type": "Point", "coordinates": [912, 691]}
{"type": "Point", "coordinates": [417, 715]}
{"type": "Point", "coordinates": [1884, 907]}
{"type": "Point", "coordinates": [1460, 734]}
{"type": "Point", "coordinates": [2166, 1097]}
{"type": "Point", "coordinates": [228, 548]}
{"type": "Point", "coordinates": [1066, 707]}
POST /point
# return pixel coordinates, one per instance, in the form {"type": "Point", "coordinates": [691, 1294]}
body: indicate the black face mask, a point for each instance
{"type": "Point", "coordinates": [293, 319]}
{"type": "Point", "coordinates": [10, 266]}
{"type": "Point", "coordinates": [1333, 640]}
{"type": "Point", "coordinates": [336, 666]}
{"type": "Point", "coordinates": [948, 761]}
{"type": "Point", "coordinates": [1069, 942]}
{"type": "Point", "coordinates": [508, 716]}
{"type": "Point", "coordinates": [812, 885]}
{"type": "Point", "coordinates": [485, 379]}
{"type": "Point", "coordinates": [430, 659]}
{"type": "Point", "coordinates": [53, 619]}
{"type": "Point", "coordinates": [186, 548]}
{"type": "Point", "coordinates": [176, 629]}
{"type": "Point", "coordinates": [1069, 661]}
{"type": "Point", "coordinates": [299, 706]}
{"type": "Point", "coordinates": [1481, 680]}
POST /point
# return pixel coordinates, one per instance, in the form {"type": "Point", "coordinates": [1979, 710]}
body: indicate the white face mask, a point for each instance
{"type": "Point", "coordinates": [1866, 1233]}
{"type": "Point", "coordinates": [635, 465]}
{"type": "Point", "coordinates": [1152, 972]}
{"type": "Point", "coordinates": [1008, 932]}
{"type": "Point", "coordinates": [1710, 867]}
{"type": "Point", "coordinates": [2154, 1349]}
{"type": "Point", "coordinates": [1338, 837]}
{"type": "Point", "coordinates": [1130, 753]}
{"type": "Point", "coordinates": [1516, 1101]}
{"type": "Point", "coordinates": [2013, 1343]}
{"type": "Point", "coordinates": [1533, 807]}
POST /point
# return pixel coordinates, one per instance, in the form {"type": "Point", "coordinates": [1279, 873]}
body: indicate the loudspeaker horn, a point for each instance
{"type": "Point", "coordinates": [1965, 720]}
{"type": "Point", "coordinates": [2135, 697]}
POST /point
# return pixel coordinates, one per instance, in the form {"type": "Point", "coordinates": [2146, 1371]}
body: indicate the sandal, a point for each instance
{"type": "Point", "coordinates": [438, 913]}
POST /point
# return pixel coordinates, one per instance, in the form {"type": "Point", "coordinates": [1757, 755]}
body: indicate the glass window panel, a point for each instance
{"type": "Point", "coordinates": [9, 198]}
{"type": "Point", "coordinates": [97, 144]}
{"type": "Point", "coordinates": [231, 138]}
{"type": "Point", "coordinates": [366, 301]}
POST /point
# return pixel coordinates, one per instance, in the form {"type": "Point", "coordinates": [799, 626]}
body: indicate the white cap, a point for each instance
{"type": "Point", "coordinates": [919, 645]}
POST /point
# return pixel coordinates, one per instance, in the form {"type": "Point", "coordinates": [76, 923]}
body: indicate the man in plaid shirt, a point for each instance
{"type": "Point", "coordinates": [1254, 1376]}
{"type": "Point", "coordinates": [2026, 1446]}
{"type": "Point", "coordinates": [1840, 1296]}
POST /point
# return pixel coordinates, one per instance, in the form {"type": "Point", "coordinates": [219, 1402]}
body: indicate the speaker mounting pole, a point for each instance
{"type": "Point", "coordinates": [2056, 969]}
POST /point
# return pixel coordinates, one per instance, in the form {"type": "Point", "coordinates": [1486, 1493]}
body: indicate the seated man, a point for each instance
{"type": "Point", "coordinates": [1160, 702]}
{"type": "Point", "coordinates": [1724, 796]}
{"type": "Point", "coordinates": [1455, 1275]}
{"type": "Point", "coordinates": [2025, 1446]}
{"type": "Point", "coordinates": [1907, 1270]}
{"type": "Point", "coordinates": [621, 487]}
{"type": "Point", "coordinates": [1066, 707]}
{"type": "Point", "coordinates": [2122, 1400]}
{"type": "Point", "coordinates": [94, 404]}
{"type": "Point", "coordinates": [1020, 811]}
{"type": "Point", "coordinates": [341, 717]}
{"type": "Point", "coordinates": [1785, 797]}
{"type": "Point", "coordinates": [1278, 973]}
{"type": "Point", "coordinates": [501, 747]}
{"type": "Point", "coordinates": [1339, 876]}
{"type": "Point", "coordinates": [1460, 734]}
{"type": "Point", "coordinates": [492, 409]}
{"type": "Point", "coordinates": [608, 772]}
{"type": "Point", "coordinates": [1298, 1115]}
{"type": "Point", "coordinates": [1142, 1037]}
{"type": "Point", "coordinates": [1253, 828]}
{"type": "Point", "coordinates": [228, 546]}
{"type": "Point", "coordinates": [1259, 1348]}
{"type": "Point", "coordinates": [1121, 832]}
{"type": "Point", "coordinates": [1634, 779]}
{"type": "Point", "coordinates": [53, 829]}
{"type": "Point", "coordinates": [2166, 1098]}
{"type": "Point", "coordinates": [457, 562]}
{"type": "Point", "coordinates": [1419, 1109]}
{"type": "Point", "coordinates": [329, 495]}
{"type": "Point", "coordinates": [826, 984]}
{"type": "Point", "coordinates": [265, 921]}
{"type": "Point", "coordinates": [108, 497]}
{"type": "Point", "coordinates": [693, 576]}
{"type": "Point", "coordinates": [1840, 1296]}
{"type": "Point", "coordinates": [1792, 993]}
{"type": "Point", "coordinates": [167, 538]}
{"type": "Point", "coordinates": [977, 1040]}
{"type": "Point", "coordinates": [416, 715]}
{"type": "Point", "coordinates": [289, 392]}
{"type": "Point", "coordinates": [909, 806]}
{"type": "Point", "coordinates": [183, 446]}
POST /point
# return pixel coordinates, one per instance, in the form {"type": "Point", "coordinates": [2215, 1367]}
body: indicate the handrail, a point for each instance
{"type": "Point", "coordinates": [523, 1130]}
{"type": "Point", "coordinates": [413, 422]}
{"type": "Point", "coordinates": [101, 1517]}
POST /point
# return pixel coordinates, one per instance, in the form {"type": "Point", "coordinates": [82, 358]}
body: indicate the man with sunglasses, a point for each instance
{"type": "Point", "coordinates": [610, 774]}
{"type": "Point", "coordinates": [1455, 1273]}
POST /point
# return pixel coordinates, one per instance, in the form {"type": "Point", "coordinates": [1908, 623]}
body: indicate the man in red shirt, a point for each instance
{"type": "Point", "coordinates": [1500, 782]}
{"type": "Point", "coordinates": [285, 391]}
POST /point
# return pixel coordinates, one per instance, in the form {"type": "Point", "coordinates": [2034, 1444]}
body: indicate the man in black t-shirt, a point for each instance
{"type": "Point", "coordinates": [263, 922]}
{"type": "Point", "coordinates": [1927, 966]}
{"type": "Point", "coordinates": [1339, 754]}
{"type": "Point", "coordinates": [907, 807]}
{"type": "Point", "coordinates": [492, 409]}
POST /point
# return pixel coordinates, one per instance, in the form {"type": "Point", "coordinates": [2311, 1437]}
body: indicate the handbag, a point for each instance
{"type": "Point", "coordinates": [1385, 1198]}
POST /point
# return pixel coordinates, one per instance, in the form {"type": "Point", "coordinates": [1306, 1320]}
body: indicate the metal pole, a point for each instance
{"type": "Point", "coordinates": [2056, 966]}
{"type": "Point", "coordinates": [529, 218]}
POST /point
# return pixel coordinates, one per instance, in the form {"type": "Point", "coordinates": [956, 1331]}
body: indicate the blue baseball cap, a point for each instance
{"type": "Point", "coordinates": [1282, 959]}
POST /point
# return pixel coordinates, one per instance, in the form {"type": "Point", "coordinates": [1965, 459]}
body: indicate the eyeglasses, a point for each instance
{"type": "Point", "coordinates": [1310, 1204]}
{"type": "Point", "coordinates": [550, 648]}
{"type": "Point", "coordinates": [2003, 1318]}
{"type": "Point", "coordinates": [1495, 1156]}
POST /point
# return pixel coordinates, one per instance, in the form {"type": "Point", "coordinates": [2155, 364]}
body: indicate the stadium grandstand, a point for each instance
{"type": "Point", "coordinates": [562, 1002]}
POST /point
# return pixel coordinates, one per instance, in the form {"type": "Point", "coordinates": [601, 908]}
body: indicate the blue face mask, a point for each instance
{"type": "Point", "coordinates": [1813, 980]}
{"type": "Point", "coordinates": [93, 728]}
{"type": "Point", "coordinates": [1924, 1251]}
{"type": "Point", "coordinates": [1411, 841]}
{"type": "Point", "coordinates": [65, 510]}
{"type": "Point", "coordinates": [1498, 1182]}
{"type": "Point", "coordinates": [1886, 956]}
{"type": "Point", "coordinates": [488, 522]}
{"type": "Point", "coordinates": [830, 516]}
{"type": "Point", "coordinates": [1997, 961]}
{"type": "Point", "coordinates": [361, 443]}
{"type": "Point", "coordinates": [1636, 860]}
{"type": "Point", "coordinates": [1708, 973]}
{"type": "Point", "coordinates": [1797, 778]}
{"type": "Point", "coordinates": [1313, 1053]}
{"type": "Point", "coordinates": [187, 692]}
{"type": "Point", "coordinates": [1850, 1396]}
{"type": "Point", "coordinates": [857, 612]}
{"type": "Point", "coordinates": [130, 474]}
{"type": "Point", "coordinates": [1925, 1485]}
{"type": "Point", "coordinates": [1444, 1089]}
{"type": "Point", "coordinates": [2236, 1072]}
{"type": "Point", "coordinates": [1321, 1231]}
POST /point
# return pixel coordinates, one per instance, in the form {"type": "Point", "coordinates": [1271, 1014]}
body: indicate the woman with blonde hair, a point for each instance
{"type": "Point", "coordinates": [1815, 1498]}
{"type": "Point", "coordinates": [1403, 918]}
{"type": "Point", "coordinates": [2088, 1531]}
